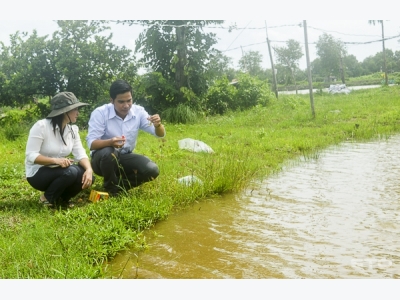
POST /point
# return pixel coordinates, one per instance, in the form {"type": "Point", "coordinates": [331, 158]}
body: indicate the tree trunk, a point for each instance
{"type": "Point", "coordinates": [180, 77]}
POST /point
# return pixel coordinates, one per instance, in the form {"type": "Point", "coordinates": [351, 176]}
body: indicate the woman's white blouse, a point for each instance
{"type": "Point", "coordinates": [43, 141]}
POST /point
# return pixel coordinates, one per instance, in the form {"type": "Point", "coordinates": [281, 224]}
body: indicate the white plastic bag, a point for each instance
{"type": "Point", "coordinates": [194, 145]}
{"type": "Point", "coordinates": [189, 180]}
{"type": "Point", "coordinates": [338, 89]}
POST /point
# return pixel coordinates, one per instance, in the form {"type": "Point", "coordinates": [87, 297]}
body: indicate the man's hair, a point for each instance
{"type": "Point", "coordinates": [119, 86]}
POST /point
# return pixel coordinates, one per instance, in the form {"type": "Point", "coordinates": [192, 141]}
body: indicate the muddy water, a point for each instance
{"type": "Point", "coordinates": [333, 216]}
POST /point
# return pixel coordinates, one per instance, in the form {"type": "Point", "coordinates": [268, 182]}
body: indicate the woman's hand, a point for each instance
{"type": "Point", "coordinates": [87, 179]}
{"type": "Point", "coordinates": [64, 162]}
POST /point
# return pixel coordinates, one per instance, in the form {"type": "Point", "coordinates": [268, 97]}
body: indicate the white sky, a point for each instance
{"type": "Point", "coordinates": [252, 35]}
{"type": "Point", "coordinates": [38, 14]}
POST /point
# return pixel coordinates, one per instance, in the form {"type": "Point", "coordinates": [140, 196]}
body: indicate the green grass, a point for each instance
{"type": "Point", "coordinates": [371, 79]}
{"type": "Point", "coordinates": [40, 243]}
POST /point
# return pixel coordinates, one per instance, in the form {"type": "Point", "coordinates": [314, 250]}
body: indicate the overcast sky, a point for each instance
{"type": "Point", "coordinates": [361, 38]}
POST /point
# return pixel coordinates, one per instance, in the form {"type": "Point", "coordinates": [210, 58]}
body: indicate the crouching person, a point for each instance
{"type": "Point", "coordinates": [50, 143]}
{"type": "Point", "coordinates": [112, 135]}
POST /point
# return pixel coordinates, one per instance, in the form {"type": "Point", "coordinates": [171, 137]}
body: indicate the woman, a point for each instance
{"type": "Point", "coordinates": [50, 144]}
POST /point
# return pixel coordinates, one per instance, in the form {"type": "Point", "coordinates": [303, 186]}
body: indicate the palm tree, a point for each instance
{"type": "Point", "coordinates": [383, 45]}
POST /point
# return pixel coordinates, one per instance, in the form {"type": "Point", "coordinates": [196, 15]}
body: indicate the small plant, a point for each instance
{"type": "Point", "coordinates": [12, 133]}
{"type": "Point", "coordinates": [182, 114]}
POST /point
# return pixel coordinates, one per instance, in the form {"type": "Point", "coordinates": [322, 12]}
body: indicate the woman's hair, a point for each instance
{"type": "Point", "coordinates": [57, 120]}
{"type": "Point", "coordinates": [119, 87]}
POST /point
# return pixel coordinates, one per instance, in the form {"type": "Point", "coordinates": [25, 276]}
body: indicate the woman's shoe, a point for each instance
{"type": "Point", "coordinates": [44, 201]}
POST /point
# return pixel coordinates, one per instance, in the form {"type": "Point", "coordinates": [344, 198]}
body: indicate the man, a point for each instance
{"type": "Point", "coordinates": [112, 134]}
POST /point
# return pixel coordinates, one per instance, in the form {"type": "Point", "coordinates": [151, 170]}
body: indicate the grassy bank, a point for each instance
{"type": "Point", "coordinates": [40, 243]}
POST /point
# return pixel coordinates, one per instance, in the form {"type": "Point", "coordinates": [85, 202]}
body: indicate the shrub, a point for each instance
{"type": "Point", "coordinates": [183, 114]}
{"type": "Point", "coordinates": [251, 91]}
{"type": "Point", "coordinates": [221, 97]}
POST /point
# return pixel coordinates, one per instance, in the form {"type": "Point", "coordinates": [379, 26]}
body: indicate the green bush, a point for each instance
{"type": "Point", "coordinates": [153, 92]}
{"type": "Point", "coordinates": [221, 97]}
{"type": "Point", "coordinates": [11, 133]}
{"type": "Point", "coordinates": [182, 114]}
{"type": "Point", "coordinates": [251, 92]}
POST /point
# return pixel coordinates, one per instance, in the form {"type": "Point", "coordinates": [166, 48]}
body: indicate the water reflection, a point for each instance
{"type": "Point", "coordinates": [336, 216]}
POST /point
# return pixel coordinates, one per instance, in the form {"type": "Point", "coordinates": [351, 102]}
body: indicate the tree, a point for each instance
{"type": "Point", "coordinates": [289, 57]}
{"type": "Point", "coordinates": [383, 47]}
{"type": "Point", "coordinates": [317, 70]}
{"type": "Point", "coordinates": [330, 51]}
{"type": "Point", "coordinates": [220, 65]}
{"type": "Point", "coordinates": [85, 61]}
{"type": "Point", "coordinates": [283, 75]}
{"type": "Point", "coordinates": [396, 57]}
{"type": "Point", "coordinates": [79, 58]}
{"type": "Point", "coordinates": [250, 63]}
{"type": "Point", "coordinates": [26, 69]}
{"type": "Point", "coordinates": [373, 64]}
{"type": "Point", "coordinates": [352, 67]}
{"type": "Point", "coordinates": [181, 52]}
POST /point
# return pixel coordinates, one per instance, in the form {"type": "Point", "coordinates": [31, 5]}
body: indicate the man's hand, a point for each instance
{"type": "Point", "coordinates": [118, 142]}
{"type": "Point", "coordinates": [155, 119]}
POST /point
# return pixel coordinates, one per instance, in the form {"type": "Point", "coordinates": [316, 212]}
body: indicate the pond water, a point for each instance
{"type": "Point", "coordinates": [333, 216]}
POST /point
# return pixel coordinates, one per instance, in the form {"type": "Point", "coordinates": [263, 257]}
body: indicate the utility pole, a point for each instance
{"type": "Point", "coordinates": [244, 60]}
{"type": "Point", "coordinates": [272, 64]}
{"type": "Point", "coordinates": [384, 54]}
{"type": "Point", "coordinates": [309, 69]}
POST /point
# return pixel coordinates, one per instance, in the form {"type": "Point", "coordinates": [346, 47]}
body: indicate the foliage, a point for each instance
{"type": "Point", "coordinates": [180, 51]}
{"type": "Point", "coordinates": [221, 97]}
{"type": "Point", "coordinates": [384, 65]}
{"type": "Point", "coordinates": [352, 67]}
{"type": "Point", "coordinates": [246, 93]}
{"type": "Point", "coordinates": [220, 65]}
{"type": "Point", "coordinates": [330, 50]}
{"type": "Point", "coordinates": [182, 114]}
{"type": "Point", "coordinates": [78, 58]}
{"type": "Point", "coordinates": [289, 57]}
{"type": "Point", "coordinates": [154, 92]}
{"type": "Point", "coordinates": [396, 78]}
{"type": "Point", "coordinates": [372, 64]}
{"type": "Point", "coordinates": [26, 70]}
{"type": "Point", "coordinates": [250, 63]}
{"type": "Point", "coordinates": [251, 92]}
{"type": "Point", "coordinates": [86, 61]}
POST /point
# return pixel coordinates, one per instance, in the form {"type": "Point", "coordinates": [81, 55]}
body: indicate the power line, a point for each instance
{"type": "Point", "coordinates": [314, 43]}
{"type": "Point", "coordinates": [249, 45]}
{"type": "Point", "coordinates": [370, 42]}
{"type": "Point", "coordinates": [324, 30]}
{"type": "Point", "coordinates": [274, 41]}
{"type": "Point", "coordinates": [258, 28]}
{"type": "Point", "coordinates": [237, 36]}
